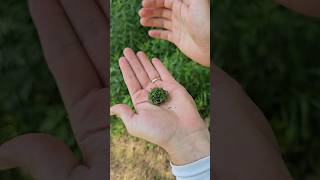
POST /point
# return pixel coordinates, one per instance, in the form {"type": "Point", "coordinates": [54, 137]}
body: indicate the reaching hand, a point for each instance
{"type": "Point", "coordinates": [186, 23]}
{"type": "Point", "coordinates": [242, 134]}
{"type": "Point", "coordinates": [176, 124]}
{"type": "Point", "coordinates": [78, 62]}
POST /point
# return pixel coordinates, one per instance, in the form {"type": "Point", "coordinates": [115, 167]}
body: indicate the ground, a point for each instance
{"type": "Point", "coordinates": [133, 159]}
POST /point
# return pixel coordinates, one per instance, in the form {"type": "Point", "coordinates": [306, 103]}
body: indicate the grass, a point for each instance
{"type": "Point", "coordinates": [126, 31]}
{"type": "Point", "coordinates": [274, 53]}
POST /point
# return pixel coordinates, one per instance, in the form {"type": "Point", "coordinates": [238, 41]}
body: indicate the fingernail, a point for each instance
{"type": "Point", "coordinates": [141, 21]}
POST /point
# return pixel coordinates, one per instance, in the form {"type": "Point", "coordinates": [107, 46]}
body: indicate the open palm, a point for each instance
{"type": "Point", "coordinates": [78, 64]}
{"type": "Point", "coordinates": [167, 124]}
{"type": "Point", "coordinates": [186, 23]}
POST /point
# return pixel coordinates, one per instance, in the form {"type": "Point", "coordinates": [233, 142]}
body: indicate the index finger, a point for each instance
{"type": "Point", "coordinates": [129, 76]}
{"type": "Point", "coordinates": [91, 27]}
{"type": "Point", "coordinates": [104, 5]}
{"type": "Point", "coordinates": [157, 3]}
{"type": "Point", "coordinates": [77, 79]}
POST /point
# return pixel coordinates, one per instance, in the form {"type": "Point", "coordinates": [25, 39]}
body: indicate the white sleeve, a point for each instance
{"type": "Point", "coordinates": [198, 170]}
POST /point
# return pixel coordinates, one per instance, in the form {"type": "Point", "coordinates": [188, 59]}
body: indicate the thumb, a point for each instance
{"type": "Point", "coordinates": [123, 111]}
{"type": "Point", "coordinates": [43, 156]}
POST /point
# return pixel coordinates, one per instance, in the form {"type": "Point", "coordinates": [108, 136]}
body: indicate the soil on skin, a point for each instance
{"type": "Point", "coordinates": [131, 159]}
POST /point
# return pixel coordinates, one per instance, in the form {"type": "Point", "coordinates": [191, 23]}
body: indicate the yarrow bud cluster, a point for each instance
{"type": "Point", "coordinates": [158, 96]}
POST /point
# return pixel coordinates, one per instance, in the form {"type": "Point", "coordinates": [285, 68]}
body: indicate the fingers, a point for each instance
{"type": "Point", "coordinates": [77, 78]}
{"type": "Point", "coordinates": [137, 67]}
{"type": "Point", "coordinates": [156, 22]}
{"type": "Point", "coordinates": [161, 34]}
{"type": "Point", "coordinates": [155, 14]}
{"type": "Point", "coordinates": [66, 58]}
{"type": "Point", "coordinates": [129, 76]}
{"type": "Point", "coordinates": [91, 28]}
{"type": "Point", "coordinates": [164, 73]}
{"type": "Point", "coordinates": [41, 155]}
{"type": "Point", "coordinates": [161, 12]}
{"type": "Point", "coordinates": [157, 3]}
{"type": "Point", "coordinates": [90, 127]}
{"type": "Point", "coordinates": [104, 5]}
{"type": "Point", "coordinates": [157, 18]}
{"type": "Point", "coordinates": [124, 112]}
{"type": "Point", "coordinates": [137, 72]}
{"type": "Point", "coordinates": [147, 65]}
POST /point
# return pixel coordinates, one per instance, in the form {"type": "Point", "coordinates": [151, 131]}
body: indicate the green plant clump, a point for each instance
{"type": "Point", "coordinates": [157, 96]}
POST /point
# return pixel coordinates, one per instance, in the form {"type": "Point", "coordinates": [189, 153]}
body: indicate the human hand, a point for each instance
{"type": "Point", "coordinates": [78, 62]}
{"type": "Point", "coordinates": [176, 124]}
{"type": "Point", "coordinates": [186, 23]}
{"type": "Point", "coordinates": [242, 134]}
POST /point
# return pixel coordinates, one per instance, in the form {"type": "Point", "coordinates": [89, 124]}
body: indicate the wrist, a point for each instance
{"type": "Point", "coordinates": [189, 148]}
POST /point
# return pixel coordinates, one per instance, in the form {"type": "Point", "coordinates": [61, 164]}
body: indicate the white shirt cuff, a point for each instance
{"type": "Point", "coordinates": [198, 170]}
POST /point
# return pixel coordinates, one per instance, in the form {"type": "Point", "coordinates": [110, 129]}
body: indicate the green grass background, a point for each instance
{"type": "Point", "coordinates": [274, 53]}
